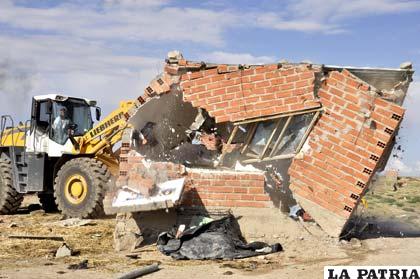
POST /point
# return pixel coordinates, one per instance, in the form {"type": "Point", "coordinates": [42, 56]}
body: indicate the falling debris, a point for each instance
{"type": "Point", "coordinates": [249, 167]}
{"type": "Point", "coordinates": [75, 222]}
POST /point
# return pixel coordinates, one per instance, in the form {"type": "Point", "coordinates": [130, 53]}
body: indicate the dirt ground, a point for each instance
{"type": "Point", "coordinates": [390, 236]}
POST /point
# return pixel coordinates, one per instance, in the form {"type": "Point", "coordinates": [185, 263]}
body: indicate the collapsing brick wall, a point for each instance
{"type": "Point", "coordinates": [345, 148]}
{"type": "Point", "coordinates": [347, 144]}
{"type": "Point", "coordinates": [203, 187]}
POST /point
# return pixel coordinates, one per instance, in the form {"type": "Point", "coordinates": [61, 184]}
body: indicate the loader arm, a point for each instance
{"type": "Point", "coordinates": [100, 140]}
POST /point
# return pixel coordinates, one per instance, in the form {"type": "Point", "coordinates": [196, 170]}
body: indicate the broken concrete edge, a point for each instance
{"type": "Point", "coordinates": [344, 129]}
{"type": "Point", "coordinates": [109, 209]}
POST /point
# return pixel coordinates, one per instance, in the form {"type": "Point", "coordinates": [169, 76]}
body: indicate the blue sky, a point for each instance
{"type": "Point", "coordinates": [109, 49]}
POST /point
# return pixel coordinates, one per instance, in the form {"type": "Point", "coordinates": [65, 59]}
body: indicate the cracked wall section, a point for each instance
{"type": "Point", "coordinates": [203, 187]}
{"type": "Point", "coordinates": [230, 93]}
{"type": "Point", "coordinates": [345, 148]}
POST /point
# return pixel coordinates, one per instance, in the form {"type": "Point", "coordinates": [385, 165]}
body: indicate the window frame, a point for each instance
{"type": "Point", "coordinates": [263, 156]}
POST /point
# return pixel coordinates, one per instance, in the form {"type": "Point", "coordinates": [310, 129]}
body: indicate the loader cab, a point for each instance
{"type": "Point", "coordinates": [53, 119]}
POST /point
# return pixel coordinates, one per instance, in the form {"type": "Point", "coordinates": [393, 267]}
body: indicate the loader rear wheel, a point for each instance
{"type": "Point", "coordinates": [80, 187]}
{"type": "Point", "coordinates": [10, 200]}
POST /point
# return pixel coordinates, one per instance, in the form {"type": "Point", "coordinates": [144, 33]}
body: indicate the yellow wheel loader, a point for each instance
{"type": "Point", "coordinates": [60, 155]}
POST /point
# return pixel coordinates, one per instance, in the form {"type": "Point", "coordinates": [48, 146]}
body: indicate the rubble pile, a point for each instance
{"type": "Point", "coordinates": [260, 136]}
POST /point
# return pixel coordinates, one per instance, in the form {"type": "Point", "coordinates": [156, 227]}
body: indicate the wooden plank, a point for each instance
{"type": "Point", "coordinates": [278, 116]}
{"type": "Point", "coordinates": [280, 157]}
{"type": "Point", "coordinates": [38, 237]}
{"type": "Point", "coordinates": [308, 130]}
{"type": "Point", "coordinates": [276, 144]}
{"type": "Point", "coordinates": [270, 139]}
{"type": "Point", "coordinates": [249, 137]}
{"type": "Point", "coordinates": [231, 137]}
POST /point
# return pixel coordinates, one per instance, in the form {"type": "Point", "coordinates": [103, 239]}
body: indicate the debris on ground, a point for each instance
{"type": "Point", "coordinates": [219, 239]}
{"type": "Point", "coordinates": [295, 212]}
{"type": "Point", "coordinates": [355, 243]}
{"type": "Point", "coordinates": [37, 212]}
{"type": "Point", "coordinates": [12, 225]}
{"type": "Point", "coordinates": [63, 251]}
{"type": "Point", "coordinates": [140, 272]}
{"type": "Point", "coordinates": [132, 255]}
{"type": "Point", "coordinates": [38, 237]}
{"type": "Point", "coordinates": [82, 265]}
{"type": "Point", "coordinates": [74, 222]}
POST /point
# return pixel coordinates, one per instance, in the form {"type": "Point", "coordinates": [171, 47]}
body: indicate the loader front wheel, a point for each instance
{"type": "Point", "coordinates": [80, 187]}
{"type": "Point", "coordinates": [10, 200]}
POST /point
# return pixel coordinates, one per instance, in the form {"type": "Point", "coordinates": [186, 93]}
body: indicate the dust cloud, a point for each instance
{"type": "Point", "coordinates": [16, 84]}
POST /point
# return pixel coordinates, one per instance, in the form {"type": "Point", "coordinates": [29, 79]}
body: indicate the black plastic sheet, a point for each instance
{"type": "Point", "coordinates": [220, 239]}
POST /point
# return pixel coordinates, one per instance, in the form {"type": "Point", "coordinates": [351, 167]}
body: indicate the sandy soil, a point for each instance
{"type": "Point", "coordinates": [389, 240]}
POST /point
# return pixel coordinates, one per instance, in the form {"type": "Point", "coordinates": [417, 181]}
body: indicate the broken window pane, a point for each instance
{"type": "Point", "coordinates": [242, 134]}
{"type": "Point", "coordinates": [270, 138]}
{"type": "Point", "coordinates": [294, 134]}
{"type": "Point", "coordinates": [261, 136]}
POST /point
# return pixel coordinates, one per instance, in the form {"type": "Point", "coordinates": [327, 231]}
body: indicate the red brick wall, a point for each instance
{"type": "Point", "coordinates": [202, 187]}
{"type": "Point", "coordinates": [225, 189]}
{"type": "Point", "coordinates": [346, 144]}
{"type": "Point", "coordinates": [232, 94]}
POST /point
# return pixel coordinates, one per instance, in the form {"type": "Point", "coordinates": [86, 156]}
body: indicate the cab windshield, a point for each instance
{"type": "Point", "coordinates": [72, 113]}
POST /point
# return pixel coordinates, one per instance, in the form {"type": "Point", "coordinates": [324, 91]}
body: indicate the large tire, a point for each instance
{"type": "Point", "coordinates": [47, 202]}
{"type": "Point", "coordinates": [80, 187]}
{"type": "Point", "coordinates": [10, 199]}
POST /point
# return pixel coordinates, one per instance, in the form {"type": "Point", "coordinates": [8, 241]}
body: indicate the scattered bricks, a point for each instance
{"type": "Point", "coordinates": [210, 141]}
{"type": "Point", "coordinates": [159, 86]}
{"type": "Point", "coordinates": [171, 69]}
{"type": "Point", "coordinates": [182, 62]}
{"type": "Point", "coordinates": [149, 92]}
{"type": "Point", "coordinates": [221, 69]}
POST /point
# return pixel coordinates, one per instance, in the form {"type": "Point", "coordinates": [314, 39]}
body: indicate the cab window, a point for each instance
{"type": "Point", "coordinates": [43, 118]}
